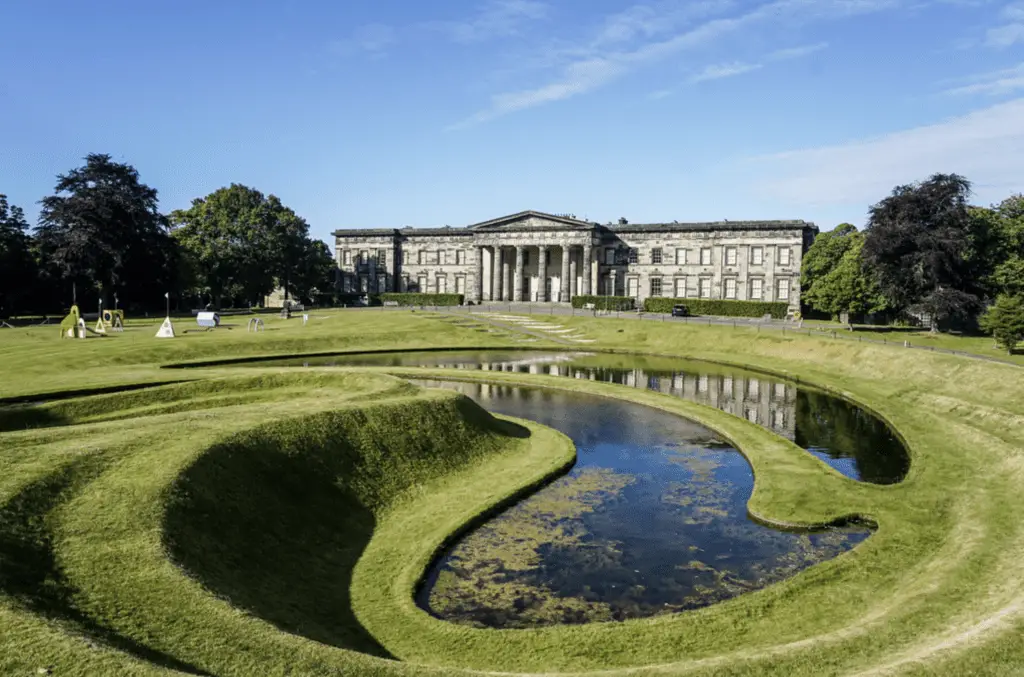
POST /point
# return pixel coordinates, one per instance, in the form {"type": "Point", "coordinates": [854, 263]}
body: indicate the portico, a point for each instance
{"type": "Point", "coordinates": [533, 272]}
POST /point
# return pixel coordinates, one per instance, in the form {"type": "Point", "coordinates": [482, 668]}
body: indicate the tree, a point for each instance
{"type": "Point", "coordinates": [102, 229]}
{"type": "Point", "coordinates": [240, 244]}
{"type": "Point", "coordinates": [1005, 321]}
{"type": "Point", "coordinates": [849, 287]}
{"type": "Point", "coordinates": [824, 254]}
{"type": "Point", "coordinates": [919, 246]}
{"type": "Point", "coordinates": [1008, 270]}
{"type": "Point", "coordinates": [316, 274]}
{"type": "Point", "coordinates": [18, 269]}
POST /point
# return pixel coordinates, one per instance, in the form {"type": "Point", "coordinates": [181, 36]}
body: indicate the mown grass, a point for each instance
{"type": "Point", "coordinates": [274, 522]}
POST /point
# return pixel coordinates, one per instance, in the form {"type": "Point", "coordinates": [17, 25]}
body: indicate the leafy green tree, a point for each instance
{"type": "Point", "coordinates": [849, 287]}
{"type": "Point", "coordinates": [240, 244]}
{"type": "Point", "coordinates": [315, 277]}
{"type": "Point", "coordinates": [1008, 270]}
{"type": "Point", "coordinates": [1005, 321]}
{"type": "Point", "coordinates": [18, 269]}
{"type": "Point", "coordinates": [919, 246]}
{"type": "Point", "coordinates": [102, 229]}
{"type": "Point", "coordinates": [824, 254]}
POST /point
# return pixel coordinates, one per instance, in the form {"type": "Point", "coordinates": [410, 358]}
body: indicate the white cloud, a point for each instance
{"type": "Point", "coordinates": [993, 83]}
{"type": "Point", "coordinates": [494, 19]}
{"type": "Point", "coordinates": [611, 63]}
{"type": "Point", "coordinates": [1010, 32]}
{"type": "Point", "coordinates": [659, 94]}
{"type": "Point", "coordinates": [796, 52]}
{"type": "Point", "coordinates": [372, 39]}
{"type": "Point", "coordinates": [724, 70]}
{"type": "Point", "coordinates": [986, 146]}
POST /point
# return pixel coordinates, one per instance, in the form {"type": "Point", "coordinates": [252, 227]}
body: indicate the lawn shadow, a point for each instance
{"type": "Point", "coordinates": [30, 575]}
{"type": "Point", "coordinates": [274, 534]}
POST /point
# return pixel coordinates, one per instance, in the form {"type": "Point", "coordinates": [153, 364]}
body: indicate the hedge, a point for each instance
{"type": "Point", "coordinates": [605, 302]}
{"type": "Point", "coordinates": [778, 309]}
{"type": "Point", "coordinates": [416, 299]}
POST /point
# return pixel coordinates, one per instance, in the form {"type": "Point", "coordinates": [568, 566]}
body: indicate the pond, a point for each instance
{"type": "Point", "coordinates": [853, 441]}
{"type": "Point", "coordinates": [652, 519]}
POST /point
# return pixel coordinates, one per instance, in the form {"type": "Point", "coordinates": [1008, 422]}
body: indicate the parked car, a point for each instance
{"type": "Point", "coordinates": [680, 310]}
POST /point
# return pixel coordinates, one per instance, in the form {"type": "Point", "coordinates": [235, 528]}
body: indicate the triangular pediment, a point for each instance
{"type": "Point", "coordinates": [531, 220]}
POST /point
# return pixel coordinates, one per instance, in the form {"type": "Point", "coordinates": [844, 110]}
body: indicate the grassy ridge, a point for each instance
{"type": "Point", "coordinates": [103, 509]}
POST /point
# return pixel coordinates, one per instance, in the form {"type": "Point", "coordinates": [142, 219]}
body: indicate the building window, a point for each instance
{"type": "Point", "coordinates": [442, 257]}
{"type": "Point", "coordinates": [783, 294]}
{"type": "Point", "coordinates": [756, 256]}
{"type": "Point", "coordinates": [346, 257]}
{"type": "Point", "coordinates": [680, 257]}
{"type": "Point", "coordinates": [364, 284]}
{"type": "Point", "coordinates": [405, 283]}
{"type": "Point", "coordinates": [460, 257]}
{"type": "Point", "coordinates": [609, 285]}
{"type": "Point", "coordinates": [705, 287]}
{"type": "Point", "coordinates": [655, 286]}
{"type": "Point", "coordinates": [756, 289]}
{"type": "Point", "coordinates": [680, 287]}
{"type": "Point", "coordinates": [460, 284]}
{"type": "Point", "coordinates": [634, 255]}
{"type": "Point", "coordinates": [705, 256]}
{"type": "Point", "coordinates": [364, 257]}
{"type": "Point", "coordinates": [609, 257]}
{"type": "Point", "coordinates": [419, 257]}
{"type": "Point", "coordinates": [442, 284]}
{"type": "Point", "coordinates": [730, 256]}
{"type": "Point", "coordinates": [421, 284]}
{"type": "Point", "coordinates": [730, 287]}
{"type": "Point", "coordinates": [382, 284]}
{"type": "Point", "coordinates": [382, 257]}
{"type": "Point", "coordinates": [656, 256]}
{"type": "Point", "coordinates": [784, 256]}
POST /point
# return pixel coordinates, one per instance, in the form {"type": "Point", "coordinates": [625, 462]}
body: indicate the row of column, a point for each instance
{"type": "Point", "coordinates": [500, 270]}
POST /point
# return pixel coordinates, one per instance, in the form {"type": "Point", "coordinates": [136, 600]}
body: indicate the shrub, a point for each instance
{"type": "Point", "coordinates": [417, 299]}
{"type": "Point", "coordinates": [1005, 321]}
{"type": "Point", "coordinates": [605, 302]}
{"type": "Point", "coordinates": [777, 309]}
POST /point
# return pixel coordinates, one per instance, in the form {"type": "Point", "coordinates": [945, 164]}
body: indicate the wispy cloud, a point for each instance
{"type": "Point", "coordinates": [986, 145]}
{"type": "Point", "coordinates": [373, 39]}
{"type": "Point", "coordinates": [634, 39]}
{"type": "Point", "coordinates": [659, 94]}
{"type": "Point", "coordinates": [724, 70]}
{"type": "Point", "coordinates": [796, 52]}
{"type": "Point", "coordinates": [992, 83]}
{"type": "Point", "coordinates": [1011, 30]}
{"type": "Point", "coordinates": [494, 19]}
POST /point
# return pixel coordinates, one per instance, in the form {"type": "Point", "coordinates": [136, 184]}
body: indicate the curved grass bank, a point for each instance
{"type": "Point", "coordinates": [97, 514]}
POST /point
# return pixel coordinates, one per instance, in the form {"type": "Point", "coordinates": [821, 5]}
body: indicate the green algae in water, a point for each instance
{"type": "Point", "coordinates": [652, 520]}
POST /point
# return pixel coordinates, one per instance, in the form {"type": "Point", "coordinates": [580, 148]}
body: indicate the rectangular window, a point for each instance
{"type": "Point", "coordinates": [680, 257]}
{"type": "Point", "coordinates": [442, 257]}
{"type": "Point", "coordinates": [364, 284]}
{"type": "Point", "coordinates": [655, 286]}
{"type": "Point", "coordinates": [609, 285]}
{"type": "Point", "coordinates": [784, 256]}
{"type": "Point", "coordinates": [382, 257]}
{"type": "Point", "coordinates": [756, 256]}
{"type": "Point", "coordinates": [460, 284]}
{"type": "Point", "coordinates": [419, 257]}
{"type": "Point", "coordinates": [460, 257]}
{"type": "Point", "coordinates": [756, 289]}
{"type": "Point", "coordinates": [421, 284]}
{"type": "Point", "coordinates": [346, 257]}
{"type": "Point", "coordinates": [730, 287]}
{"type": "Point", "coordinates": [442, 285]}
{"type": "Point", "coordinates": [705, 287]}
{"type": "Point", "coordinates": [633, 285]}
{"type": "Point", "coordinates": [364, 257]}
{"type": "Point", "coordinates": [783, 294]}
{"type": "Point", "coordinates": [634, 255]}
{"type": "Point", "coordinates": [382, 282]}
{"type": "Point", "coordinates": [680, 287]}
{"type": "Point", "coordinates": [730, 256]}
{"type": "Point", "coordinates": [656, 256]}
{"type": "Point", "coordinates": [405, 283]}
{"type": "Point", "coordinates": [609, 257]}
{"type": "Point", "coordinates": [705, 256]}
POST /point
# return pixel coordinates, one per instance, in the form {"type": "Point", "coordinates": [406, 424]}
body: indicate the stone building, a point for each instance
{"type": "Point", "coordinates": [537, 257]}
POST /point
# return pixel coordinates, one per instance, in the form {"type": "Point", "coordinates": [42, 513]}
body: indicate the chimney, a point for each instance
{"type": "Point", "coordinates": [622, 221]}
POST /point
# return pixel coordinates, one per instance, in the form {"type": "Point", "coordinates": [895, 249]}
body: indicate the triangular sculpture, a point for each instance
{"type": "Point", "coordinates": [166, 329]}
{"type": "Point", "coordinates": [100, 327]}
{"type": "Point", "coordinates": [118, 325]}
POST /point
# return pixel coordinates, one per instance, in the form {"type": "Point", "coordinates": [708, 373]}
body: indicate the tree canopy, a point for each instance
{"type": "Point", "coordinates": [1005, 321]}
{"type": "Point", "coordinates": [833, 276]}
{"type": "Point", "coordinates": [240, 244]}
{"type": "Point", "coordinates": [919, 246]}
{"type": "Point", "coordinates": [18, 269]}
{"type": "Point", "coordinates": [102, 228]}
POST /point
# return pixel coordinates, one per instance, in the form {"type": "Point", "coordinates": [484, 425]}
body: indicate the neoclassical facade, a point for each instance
{"type": "Point", "coordinates": [537, 257]}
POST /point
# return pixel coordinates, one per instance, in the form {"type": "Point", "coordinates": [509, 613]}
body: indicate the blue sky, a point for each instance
{"type": "Point", "coordinates": [395, 112]}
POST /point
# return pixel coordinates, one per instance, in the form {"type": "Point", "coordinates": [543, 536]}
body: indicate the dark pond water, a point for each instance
{"type": "Point", "coordinates": [848, 438]}
{"type": "Point", "coordinates": [652, 519]}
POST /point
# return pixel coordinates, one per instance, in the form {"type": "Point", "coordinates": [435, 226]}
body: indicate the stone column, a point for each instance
{"type": "Point", "coordinates": [572, 276]}
{"type": "Point", "coordinates": [506, 285]}
{"type": "Point", "coordinates": [542, 273]}
{"type": "Point", "coordinates": [518, 293]}
{"type": "Point", "coordinates": [563, 288]}
{"type": "Point", "coordinates": [588, 255]}
{"type": "Point", "coordinates": [496, 274]}
{"type": "Point", "coordinates": [614, 285]}
{"type": "Point", "coordinates": [479, 274]}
